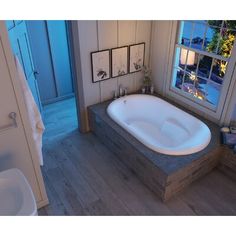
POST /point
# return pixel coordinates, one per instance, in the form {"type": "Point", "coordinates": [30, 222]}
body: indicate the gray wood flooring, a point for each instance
{"type": "Point", "coordinates": [83, 177]}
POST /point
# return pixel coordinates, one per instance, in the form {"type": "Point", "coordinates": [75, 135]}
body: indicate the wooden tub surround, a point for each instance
{"type": "Point", "coordinates": [227, 163]}
{"type": "Point", "coordinates": [163, 174]}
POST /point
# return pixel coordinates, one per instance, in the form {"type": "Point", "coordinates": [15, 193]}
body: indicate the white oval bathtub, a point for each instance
{"type": "Point", "coordinates": [159, 125]}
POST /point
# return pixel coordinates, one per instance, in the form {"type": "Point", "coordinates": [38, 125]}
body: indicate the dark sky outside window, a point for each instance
{"type": "Point", "coordinates": [197, 34]}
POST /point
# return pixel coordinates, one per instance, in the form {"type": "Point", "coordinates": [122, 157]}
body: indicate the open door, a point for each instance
{"type": "Point", "coordinates": [18, 37]}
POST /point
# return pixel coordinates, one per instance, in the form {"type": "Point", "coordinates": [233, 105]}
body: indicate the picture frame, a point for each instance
{"type": "Point", "coordinates": [136, 57]}
{"type": "Point", "coordinates": [119, 61]}
{"type": "Point", "coordinates": [100, 61]}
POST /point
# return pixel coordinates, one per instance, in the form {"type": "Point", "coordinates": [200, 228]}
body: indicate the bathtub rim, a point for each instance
{"type": "Point", "coordinates": [161, 150]}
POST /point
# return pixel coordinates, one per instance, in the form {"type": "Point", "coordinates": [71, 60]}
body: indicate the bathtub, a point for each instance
{"type": "Point", "coordinates": [159, 125]}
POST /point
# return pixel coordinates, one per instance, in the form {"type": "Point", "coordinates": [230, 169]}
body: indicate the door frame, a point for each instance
{"type": "Point", "coordinates": [78, 85]}
{"type": "Point", "coordinates": [74, 51]}
{"type": "Point", "coordinates": [74, 58]}
{"type": "Point", "coordinates": [23, 112]}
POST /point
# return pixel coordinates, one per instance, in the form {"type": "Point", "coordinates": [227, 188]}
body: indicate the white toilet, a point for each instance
{"type": "Point", "coordinates": [16, 196]}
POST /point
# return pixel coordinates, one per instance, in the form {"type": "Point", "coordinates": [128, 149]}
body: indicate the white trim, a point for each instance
{"type": "Point", "coordinates": [205, 53]}
{"type": "Point", "coordinates": [197, 105]}
{"type": "Point", "coordinates": [191, 36]}
{"type": "Point", "coordinates": [226, 88]}
{"type": "Point", "coordinates": [230, 101]}
{"type": "Point", "coordinates": [170, 60]}
{"type": "Point", "coordinates": [204, 37]}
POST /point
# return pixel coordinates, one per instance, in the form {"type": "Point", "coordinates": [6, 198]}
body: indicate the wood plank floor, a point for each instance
{"type": "Point", "coordinates": [83, 177]}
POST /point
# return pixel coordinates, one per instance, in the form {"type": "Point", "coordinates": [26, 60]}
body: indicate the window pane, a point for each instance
{"type": "Point", "coordinates": [214, 22]}
{"type": "Point", "coordinates": [192, 62]}
{"type": "Point", "coordinates": [204, 66]}
{"type": "Point", "coordinates": [218, 71]}
{"type": "Point", "coordinates": [213, 93]}
{"type": "Point", "coordinates": [230, 24]}
{"type": "Point", "coordinates": [226, 42]}
{"type": "Point", "coordinates": [188, 84]}
{"type": "Point", "coordinates": [178, 75]}
{"type": "Point", "coordinates": [185, 33]}
{"type": "Point", "coordinates": [195, 86]}
{"type": "Point", "coordinates": [198, 36]}
{"type": "Point", "coordinates": [186, 58]}
{"type": "Point", "coordinates": [200, 85]}
{"type": "Point", "coordinates": [183, 58]}
{"type": "Point", "coordinates": [212, 39]}
{"type": "Point", "coordinates": [177, 56]}
{"type": "Point", "coordinates": [194, 73]}
{"type": "Point", "coordinates": [189, 78]}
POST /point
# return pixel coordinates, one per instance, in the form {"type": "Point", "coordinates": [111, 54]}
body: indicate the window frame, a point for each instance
{"type": "Point", "coordinates": [206, 109]}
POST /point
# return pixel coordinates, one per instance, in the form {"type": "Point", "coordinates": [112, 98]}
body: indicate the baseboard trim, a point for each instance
{"type": "Point", "coordinates": [57, 99]}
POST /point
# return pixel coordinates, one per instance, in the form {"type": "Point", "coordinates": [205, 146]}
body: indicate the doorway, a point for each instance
{"type": "Point", "coordinates": [43, 49]}
{"type": "Point", "coordinates": [49, 47]}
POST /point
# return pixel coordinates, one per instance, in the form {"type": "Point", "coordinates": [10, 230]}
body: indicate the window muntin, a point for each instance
{"type": "Point", "coordinates": [202, 54]}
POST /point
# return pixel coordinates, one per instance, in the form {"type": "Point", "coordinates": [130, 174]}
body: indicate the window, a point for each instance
{"type": "Point", "coordinates": [202, 55]}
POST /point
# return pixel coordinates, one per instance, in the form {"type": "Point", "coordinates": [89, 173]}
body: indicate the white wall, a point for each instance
{"type": "Point", "coordinates": [99, 35]}
{"type": "Point", "coordinates": [230, 116]}
{"type": "Point", "coordinates": [161, 36]}
{"type": "Point", "coordinates": [233, 118]}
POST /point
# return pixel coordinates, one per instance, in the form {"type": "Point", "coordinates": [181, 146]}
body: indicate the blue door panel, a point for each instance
{"type": "Point", "coordinates": [10, 24]}
{"type": "Point", "coordinates": [42, 46]}
{"type": "Point", "coordinates": [20, 47]}
{"type": "Point", "coordinates": [60, 56]}
{"type": "Point", "coordinates": [42, 59]}
{"type": "Point", "coordinates": [27, 61]}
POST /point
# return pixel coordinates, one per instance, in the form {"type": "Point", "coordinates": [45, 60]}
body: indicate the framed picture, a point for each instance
{"type": "Point", "coordinates": [136, 57]}
{"type": "Point", "coordinates": [100, 65]}
{"type": "Point", "coordinates": [119, 61]}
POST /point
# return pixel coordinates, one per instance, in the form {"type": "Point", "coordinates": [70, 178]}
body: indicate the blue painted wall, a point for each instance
{"type": "Point", "coordinates": [60, 55]}
{"type": "Point", "coordinates": [19, 40]}
{"type": "Point", "coordinates": [49, 45]}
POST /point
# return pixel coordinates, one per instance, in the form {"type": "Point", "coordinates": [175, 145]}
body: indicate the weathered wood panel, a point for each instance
{"type": "Point", "coordinates": [228, 163]}
{"type": "Point", "coordinates": [100, 184]}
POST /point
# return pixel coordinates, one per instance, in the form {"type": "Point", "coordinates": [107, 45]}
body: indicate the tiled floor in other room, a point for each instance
{"type": "Point", "coordinates": [83, 177]}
